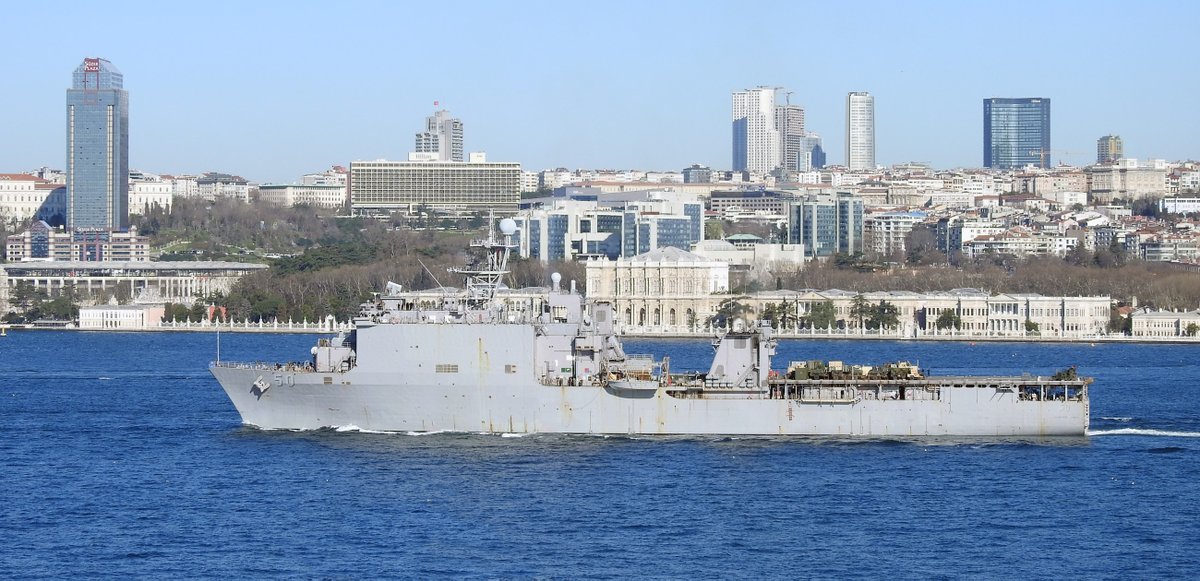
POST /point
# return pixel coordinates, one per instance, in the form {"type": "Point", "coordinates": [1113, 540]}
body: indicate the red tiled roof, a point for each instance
{"type": "Point", "coordinates": [21, 177]}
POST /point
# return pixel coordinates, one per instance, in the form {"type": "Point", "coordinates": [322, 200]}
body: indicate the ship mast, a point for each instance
{"type": "Point", "coordinates": [483, 277]}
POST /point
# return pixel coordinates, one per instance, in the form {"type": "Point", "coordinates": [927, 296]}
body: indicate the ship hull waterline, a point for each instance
{"type": "Point", "coordinates": [303, 400]}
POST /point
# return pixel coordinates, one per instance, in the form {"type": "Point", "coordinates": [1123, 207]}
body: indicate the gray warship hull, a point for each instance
{"type": "Point", "coordinates": [480, 360]}
{"type": "Point", "coordinates": [486, 379]}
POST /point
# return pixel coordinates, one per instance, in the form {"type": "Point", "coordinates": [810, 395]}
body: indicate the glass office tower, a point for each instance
{"type": "Point", "coordinates": [97, 148]}
{"type": "Point", "coordinates": [826, 225]}
{"type": "Point", "coordinates": [1016, 133]}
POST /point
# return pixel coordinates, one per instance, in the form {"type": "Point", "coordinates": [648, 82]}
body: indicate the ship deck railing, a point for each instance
{"type": "Point", "coordinates": [1027, 388]}
{"type": "Point", "coordinates": [638, 361]}
{"type": "Point", "coordinates": [944, 381]}
{"type": "Point", "coordinates": [291, 366]}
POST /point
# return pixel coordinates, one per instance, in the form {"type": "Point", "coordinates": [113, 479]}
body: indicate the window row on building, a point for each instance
{"type": "Point", "coordinates": [179, 282]}
{"type": "Point", "coordinates": [569, 229]}
{"type": "Point", "coordinates": [331, 196]}
{"type": "Point", "coordinates": [453, 187]}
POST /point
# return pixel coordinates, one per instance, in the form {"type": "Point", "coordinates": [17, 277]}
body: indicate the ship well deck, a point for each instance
{"type": "Point", "coordinates": [1026, 388]}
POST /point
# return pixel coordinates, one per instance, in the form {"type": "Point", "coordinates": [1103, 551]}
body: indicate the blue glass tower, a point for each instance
{"type": "Point", "coordinates": [97, 148]}
{"type": "Point", "coordinates": [827, 225]}
{"type": "Point", "coordinates": [740, 145]}
{"type": "Point", "coordinates": [1016, 133]}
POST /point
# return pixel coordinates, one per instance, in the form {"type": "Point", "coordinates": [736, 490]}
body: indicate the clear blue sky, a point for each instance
{"type": "Point", "coordinates": [272, 90]}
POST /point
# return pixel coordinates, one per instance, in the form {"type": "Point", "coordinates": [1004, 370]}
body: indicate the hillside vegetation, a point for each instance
{"type": "Point", "coordinates": [326, 266]}
{"type": "Point", "coordinates": [321, 265]}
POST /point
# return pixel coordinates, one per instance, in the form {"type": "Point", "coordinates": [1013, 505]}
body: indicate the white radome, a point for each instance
{"type": "Point", "coordinates": [508, 226]}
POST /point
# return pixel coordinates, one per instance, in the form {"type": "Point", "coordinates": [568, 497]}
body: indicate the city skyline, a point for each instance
{"type": "Point", "coordinates": [272, 111]}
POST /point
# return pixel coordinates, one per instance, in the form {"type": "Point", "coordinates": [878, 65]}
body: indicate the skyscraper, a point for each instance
{"type": "Point", "coordinates": [97, 148]}
{"type": "Point", "coordinates": [1109, 149]}
{"type": "Point", "coordinates": [755, 138]}
{"type": "Point", "coordinates": [443, 135]}
{"type": "Point", "coordinates": [789, 122]}
{"type": "Point", "coordinates": [860, 131]}
{"type": "Point", "coordinates": [1016, 133]}
{"type": "Point", "coordinates": [812, 155]}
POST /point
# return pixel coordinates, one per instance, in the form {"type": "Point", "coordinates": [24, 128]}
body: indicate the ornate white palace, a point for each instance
{"type": "Point", "coordinates": [673, 292]}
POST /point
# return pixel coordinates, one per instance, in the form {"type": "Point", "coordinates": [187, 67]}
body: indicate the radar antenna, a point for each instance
{"type": "Point", "coordinates": [483, 277]}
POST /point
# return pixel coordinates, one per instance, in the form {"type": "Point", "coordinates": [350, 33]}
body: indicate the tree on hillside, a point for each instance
{"type": "Point", "coordinates": [856, 261]}
{"type": "Point", "coordinates": [714, 230]}
{"type": "Point", "coordinates": [1148, 207]}
{"type": "Point", "coordinates": [920, 247]}
{"type": "Point", "coordinates": [1078, 256]}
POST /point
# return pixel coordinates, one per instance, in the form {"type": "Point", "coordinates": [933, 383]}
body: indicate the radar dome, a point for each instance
{"type": "Point", "coordinates": [508, 226]}
{"type": "Point", "coordinates": [556, 278]}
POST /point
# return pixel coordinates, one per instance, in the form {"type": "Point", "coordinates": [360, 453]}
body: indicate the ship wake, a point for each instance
{"type": "Point", "coordinates": [351, 428]}
{"type": "Point", "coordinates": [1143, 432]}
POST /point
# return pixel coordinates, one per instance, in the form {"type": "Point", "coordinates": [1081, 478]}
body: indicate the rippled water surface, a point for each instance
{"type": "Point", "coordinates": [119, 455]}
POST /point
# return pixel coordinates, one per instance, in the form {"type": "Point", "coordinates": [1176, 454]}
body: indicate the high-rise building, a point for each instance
{"type": "Point", "coordinates": [1109, 149]}
{"type": "Point", "coordinates": [454, 188]}
{"type": "Point", "coordinates": [789, 122]}
{"type": "Point", "coordinates": [827, 225]}
{"type": "Point", "coordinates": [97, 148]}
{"type": "Point", "coordinates": [1016, 133]}
{"type": "Point", "coordinates": [443, 135]}
{"type": "Point", "coordinates": [860, 131]}
{"type": "Point", "coordinates": [812, 155]}
{"type": "Point", "coordinates": [755, 138]}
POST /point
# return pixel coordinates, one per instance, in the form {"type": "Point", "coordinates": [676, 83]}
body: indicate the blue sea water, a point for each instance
{"type": "Point", "coordinates": [120, 456]}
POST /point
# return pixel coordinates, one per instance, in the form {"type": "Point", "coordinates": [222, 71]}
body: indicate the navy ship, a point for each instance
{"type": "Point", "coordinates": [470, 361]}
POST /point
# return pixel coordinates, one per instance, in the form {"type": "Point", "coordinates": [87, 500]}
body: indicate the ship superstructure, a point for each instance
{"type": "Point", "coordinates": [469, 361]}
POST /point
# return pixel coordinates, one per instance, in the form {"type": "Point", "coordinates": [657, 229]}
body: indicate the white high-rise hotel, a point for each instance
{"type": "Point", "coordinates": [860, 131]}
{"type": "Point", "coordinates": [443, 135]}
{"type": "Point", "coordinates": [755, 138]}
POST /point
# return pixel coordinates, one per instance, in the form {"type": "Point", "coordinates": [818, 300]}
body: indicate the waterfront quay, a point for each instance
{"type": "Point", "coordinates": [868, 335]}
{"type": "Point", "coordinates": [329, 326]}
